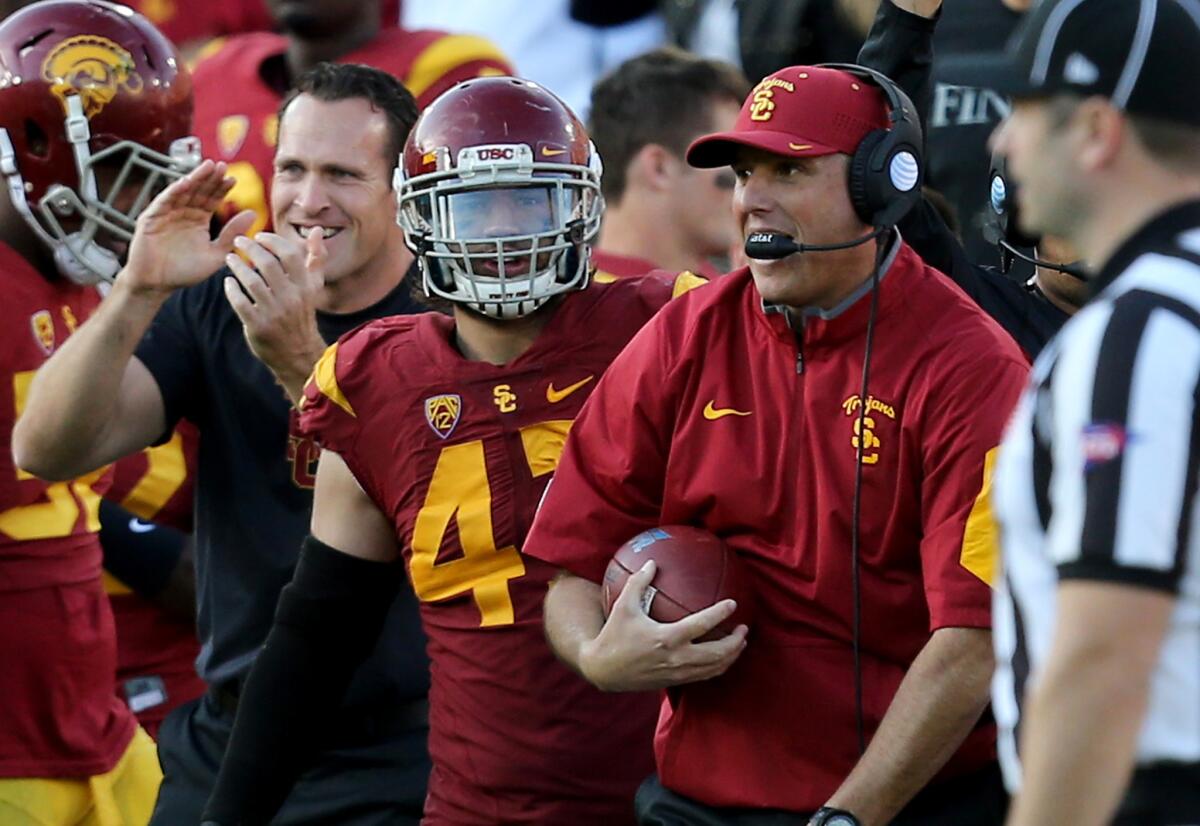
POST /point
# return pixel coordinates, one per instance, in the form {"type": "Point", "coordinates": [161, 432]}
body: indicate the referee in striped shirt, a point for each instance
{"type": "Point", "coordinates": [1097, 616]}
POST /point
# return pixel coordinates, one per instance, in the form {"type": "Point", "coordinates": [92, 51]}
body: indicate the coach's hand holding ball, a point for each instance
{"type": "Point", "coordinates": [635, 651]}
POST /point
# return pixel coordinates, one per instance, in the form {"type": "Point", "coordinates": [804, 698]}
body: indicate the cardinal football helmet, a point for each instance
{"type": "Point", "coordinates": [498, 192]}
{"type": "Point", "coordinates": [88, 86]}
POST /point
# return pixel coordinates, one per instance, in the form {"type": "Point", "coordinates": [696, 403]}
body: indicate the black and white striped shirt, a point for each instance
{"type": "Point", "coordinates": [1097, 479]}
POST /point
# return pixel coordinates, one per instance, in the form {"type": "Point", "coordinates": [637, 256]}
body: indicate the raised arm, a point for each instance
{"type": "Point", "coordinates": [93, 401]}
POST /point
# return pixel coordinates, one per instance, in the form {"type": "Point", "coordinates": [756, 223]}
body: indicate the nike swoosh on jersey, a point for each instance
{"type": "Point", "coordinates": [138, 526]}
{"type": "Point", "coordinates": [555, 396]}
{"type": "Point", "coordinates": [713, 413]}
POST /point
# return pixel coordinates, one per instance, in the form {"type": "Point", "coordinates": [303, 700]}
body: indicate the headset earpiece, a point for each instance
{"type": "Point", "coordinates": [1000, 224]}
{"type": "Point", "coordinates": [887, 168]}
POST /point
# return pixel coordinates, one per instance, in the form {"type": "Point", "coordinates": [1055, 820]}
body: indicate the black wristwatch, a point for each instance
{"type": "Point", "coordinates": [828, 816]}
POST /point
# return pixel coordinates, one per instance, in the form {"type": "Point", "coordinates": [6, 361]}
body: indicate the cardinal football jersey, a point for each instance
{"type": "Point", "coordinates": [187, 23]}
{"type": "Point", "coordinates": [457, 454]}
{"type": "Point", "coordinates": [58, 714]}
{"type": "Point", "coordinates": [236, 109]}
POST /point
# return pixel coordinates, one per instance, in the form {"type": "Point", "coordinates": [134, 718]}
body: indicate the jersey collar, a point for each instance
{"type": "Point", "coordinates": [1159, 232]}
{"type": "Point", "coordinates": [845, 320]}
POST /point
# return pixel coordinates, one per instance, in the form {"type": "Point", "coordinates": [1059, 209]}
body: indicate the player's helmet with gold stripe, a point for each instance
{"type": "Point", "coordinates": [95, 116]}
{"type": "Point", "coordinates": [499, 196]}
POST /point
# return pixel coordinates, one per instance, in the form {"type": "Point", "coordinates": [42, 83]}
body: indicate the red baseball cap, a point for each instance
{"type": "Point", "coordinates": [798, 112]}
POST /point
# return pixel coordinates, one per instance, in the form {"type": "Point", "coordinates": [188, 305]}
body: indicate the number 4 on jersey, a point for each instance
{"type": "Point", "coordinates": [460, 490]}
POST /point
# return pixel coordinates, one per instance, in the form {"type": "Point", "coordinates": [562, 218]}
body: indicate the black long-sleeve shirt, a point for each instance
{"type": "Point", "coordinates": [900, 45]}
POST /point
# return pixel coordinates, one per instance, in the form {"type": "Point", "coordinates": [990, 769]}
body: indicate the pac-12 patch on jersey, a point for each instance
{"type": "Point", "coordinates": [1102, 442]}
{"type": "Point", "coordinates": [443, 412]}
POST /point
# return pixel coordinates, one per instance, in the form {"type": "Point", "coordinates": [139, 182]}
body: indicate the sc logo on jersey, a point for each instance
{"type": "Point", "coordinates": [865, 430]}
{"type": "Point", "coordinates": [303, 455]}
{"type": "Point", "coordinates": [504, 398]}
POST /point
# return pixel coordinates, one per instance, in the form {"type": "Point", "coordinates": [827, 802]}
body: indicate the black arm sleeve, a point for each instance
{"type": "Point", "coordinates": [900, 45]}
{"type": "Point", "coordinates": [143, 555]}
{"type": "Point", "coordinates": [328, 620]}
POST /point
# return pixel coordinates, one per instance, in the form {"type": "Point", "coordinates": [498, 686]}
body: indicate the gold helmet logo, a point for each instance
{"type": "Point", "coordinates": [94, 68]}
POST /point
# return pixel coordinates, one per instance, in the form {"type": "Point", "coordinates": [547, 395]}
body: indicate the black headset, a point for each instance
{"type": "Point", "coordinates": [1000, 224]}
{"type": "Point", "coordinates": [888, 166]}
{"type": "Point", "coordinates": [1002, 228]}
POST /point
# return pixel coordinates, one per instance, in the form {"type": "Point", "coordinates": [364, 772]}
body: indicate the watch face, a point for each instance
{"type": "Point", "coordinates": [842, 820]}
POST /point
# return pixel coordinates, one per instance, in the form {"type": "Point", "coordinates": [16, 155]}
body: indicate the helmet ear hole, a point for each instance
{"type": "Point", "coordinates": [439, 273]}
{"type": "Point", "coordinates": [36, 141]}
{"type": "Point", "coordinates": [567, 273]}
{"type": "Point", "coordinates": [28, 45]}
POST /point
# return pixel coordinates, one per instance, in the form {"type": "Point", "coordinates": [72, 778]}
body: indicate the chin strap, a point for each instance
{"type": "Point", "coordinates": [83, 261]}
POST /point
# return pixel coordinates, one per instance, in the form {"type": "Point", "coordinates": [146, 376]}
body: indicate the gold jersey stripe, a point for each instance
{"type": "Point", "coordinates": [206, 51]}
{"type": "Point", "coordinates": [685, 282]}
{"type": "Point", "coordinates": [448, 53]}
{"type": "Point", "coordinates": [543, 443]}
{"type": "Point", "coordinates": [325, 376]}
{"type": "Point", "coordinates": [166, 471]}
{"type": "Point", "coordinates": [981, 539]}
{"type": "Point", "coordinates": [113, 586]}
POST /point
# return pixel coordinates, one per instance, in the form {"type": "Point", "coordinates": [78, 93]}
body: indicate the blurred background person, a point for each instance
{"type": "Point", "coordinates": [241, 82]}
{"type": "Point", "coordinates": [762, 36]}
{"type": "Point", "coordinates": [550, 42]}
{"type": "Point", "coordinates": [662, 213]}
{"type": "Point", "coordinates": [1031, 309]}
{"type": "Point", "coordinates": [961, 116]}
{"type": "Point", "coordinates": [193, 25]}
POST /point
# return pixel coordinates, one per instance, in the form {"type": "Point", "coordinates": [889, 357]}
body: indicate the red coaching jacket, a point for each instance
{"type": "Point", "coordinates": [720, 415]}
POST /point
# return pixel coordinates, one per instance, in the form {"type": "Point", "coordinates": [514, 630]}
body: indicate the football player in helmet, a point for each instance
{"type": "Point", "coordinates": [95, 110]}
{"type": "Point", "coordinates": [501, 222]}
{"type": "Point", "coordinates": [439, 435]}
{"type": "Point", "coordinates": [95, 102]}
{"type": "Point", "coordinates": [190, 330]}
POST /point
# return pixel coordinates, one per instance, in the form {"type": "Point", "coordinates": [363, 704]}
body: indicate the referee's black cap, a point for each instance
{"type": "Point", "coordinates": [1143, 55]}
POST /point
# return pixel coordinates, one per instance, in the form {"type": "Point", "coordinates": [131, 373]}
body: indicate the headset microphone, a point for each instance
{"type": "Point", "coordinates": [771, 246]}
{"type": "Point", "coordinates": [1073, 269]}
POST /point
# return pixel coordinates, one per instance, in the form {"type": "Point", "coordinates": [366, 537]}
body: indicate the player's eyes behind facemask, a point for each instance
{"type": "Point", "coordinates": [501, 213]}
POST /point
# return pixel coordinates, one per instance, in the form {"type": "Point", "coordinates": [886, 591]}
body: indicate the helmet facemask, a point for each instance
{"type": "Point", "coordinates": [499, 232]}
{"type": "Point", "coordinates": [77, 254]}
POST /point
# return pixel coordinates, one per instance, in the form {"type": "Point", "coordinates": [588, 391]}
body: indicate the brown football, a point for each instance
{"type": "Point", "coordinates": [695, 569]}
